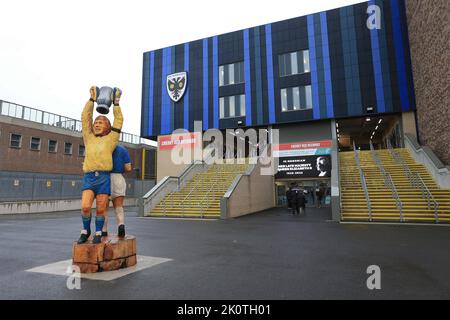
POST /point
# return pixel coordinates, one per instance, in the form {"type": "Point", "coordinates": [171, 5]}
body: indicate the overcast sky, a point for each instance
{"type": "Point", "coordinates": [51, 52]}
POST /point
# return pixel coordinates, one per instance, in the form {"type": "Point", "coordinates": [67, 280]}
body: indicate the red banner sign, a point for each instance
{"type": "Point", "coordinates": [186, 140]}
{"type": "Point", "coordinates": [303, 145]}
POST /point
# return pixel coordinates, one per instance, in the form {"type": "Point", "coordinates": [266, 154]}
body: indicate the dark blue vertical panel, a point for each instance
{"type": "Point", "coordinates": [172, 104]}
{"type": "Point", "coordinates": [150, 93]}
{"type": "Point", "coordinates": [215, 83]}
{"type": "Point", "coordinates": [205, 85]}
{"type": "Point", "coordinates": [258, 77]}
{"type": "Point", "coordinates": [351, 63]}
{"type": "Point", "coordinates": [248, 90]}
{"type": "Point", "coordinates": [377, 71]}
{"type": "Point", "coordinates": [165, 100]}
{"type": "Point", "coordinates": [270, 84]}
{"type": "Point", "coordinates": [399, 55]}
{"type": "Point", "coordinates": [313, 67]}
{"type": "Point", "coordinates": [384, 57]}
{"type": "Point", "coordinates": [327, 65]}
{"type": "Point", "coordinates": [186, 94]}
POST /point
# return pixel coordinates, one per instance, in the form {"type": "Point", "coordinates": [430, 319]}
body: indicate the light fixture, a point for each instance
{"type": "Point", "coordinates": [337, 125]}
{"type": "Point", "coordinates": [367, 119]}
{"type": "Point", "coordinates": [376, 128]}
{"type": "Point", "coordinates": [380, 121]}
{"type": "Point", "coordinates": [337, 130]}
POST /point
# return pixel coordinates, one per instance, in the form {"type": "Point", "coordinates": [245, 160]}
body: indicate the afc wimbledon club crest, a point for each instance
{"type": "Point", "coordinates": [176, 85]}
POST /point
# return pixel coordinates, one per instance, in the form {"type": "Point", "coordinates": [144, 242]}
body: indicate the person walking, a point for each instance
{"type": "Point", "coordinates": [298, 201]}
{"type": "Point", "coordinates": [289, 197]}
{"type": "Point", "coordinates": [319, 196]}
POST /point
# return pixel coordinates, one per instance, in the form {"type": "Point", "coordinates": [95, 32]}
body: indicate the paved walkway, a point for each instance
{"type": "Point", "coordinates": [270, 255]}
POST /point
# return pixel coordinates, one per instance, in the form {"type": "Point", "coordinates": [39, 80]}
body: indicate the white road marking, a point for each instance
{"type": "Point", "coordinates": [59, 269]}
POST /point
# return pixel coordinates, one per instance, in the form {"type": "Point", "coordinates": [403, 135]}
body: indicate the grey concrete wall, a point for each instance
{"type": "Point", "coordinates": [28, 207]}
{"type": "Point", "coordinates": [317, 130]}
{"type": "Point", "coordinates": [253, 192]}
{"type": "Point", "coordinates": [25, 186]}
{"type": "Point", "coordinates": [335, 185]}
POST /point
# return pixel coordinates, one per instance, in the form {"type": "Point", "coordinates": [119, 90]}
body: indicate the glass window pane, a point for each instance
{"type": "Point", "coordinates": [26, 114]}
{"type": "Point", "coordinates": [306, 61]}
{"type": "Point", "coordinates": [242, 98]}
{"type": "Point", "coordinates": [226, 75]}
{"type": "Point", "coordinates": [308, 96]}
{"type": "Point", "coordinates": [294, 63]}
{"type": "Point", "coordinates": [232, 106]}
{"type": "Point", "coordinates": [281, 65]}
{"type": "Point", "coordinates": [231, 71]}
{"type": "Point", "coordinates": [284, 100]}
{"type": "Point", "coordinates": [296, 98]}
{"type": "Point", "coordinates": [19, 112]}
{"type": "Point", "coordinates": [33, 115]}
{"type": "Point", "coordinates": [288, 65]}
{"type": "Point", "coordinates": [221, 75]}
{"type": "Point", "coordinates": [241, 72]}
{"type": "Point", "coordinates": [227, 106]}
{"type": "Point", "coordinates": [221, 108]}
{"type": "Point", "coordinates": [52, 146]}
{"type": "Point", "coordinates": [15, 140]}
{"type": "Point", "coordinates": [237, 106]}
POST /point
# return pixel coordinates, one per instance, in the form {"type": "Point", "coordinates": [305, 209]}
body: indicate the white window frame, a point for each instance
{"type": "Point", "coordinates": [232, 106]}
{"type": "Point", "coordinates": [294, 107]}
{"type": "Point", "coordinates": [31, 143]}
{"type": "Point", "coordinates": [20, 140]}
{"type": "Point", "coordinates": [71, 148]}
{"type": "Point", "coordinates": [229, 67]}
{"type": "Point", "coordinates": [56, 146]}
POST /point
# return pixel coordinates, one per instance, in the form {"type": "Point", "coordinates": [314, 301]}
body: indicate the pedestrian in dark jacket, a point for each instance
{"type": "Point", "coordinates": [289, 197]}
{"type": "Point", "coordinates": [298, 201]}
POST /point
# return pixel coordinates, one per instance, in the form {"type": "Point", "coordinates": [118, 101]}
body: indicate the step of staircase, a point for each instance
{"type": "Point", "coordinates": [384, 207]}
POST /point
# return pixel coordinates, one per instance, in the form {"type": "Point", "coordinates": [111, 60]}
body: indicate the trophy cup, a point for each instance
{"type": "Point", "coordinates": [104, 100]}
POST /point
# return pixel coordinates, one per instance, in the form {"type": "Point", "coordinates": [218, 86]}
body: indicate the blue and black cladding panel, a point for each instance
{"type": "Point", "coordinates": [352, 68]}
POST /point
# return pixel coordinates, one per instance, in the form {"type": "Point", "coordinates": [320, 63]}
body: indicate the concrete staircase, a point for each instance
{"type": "Point", "coordinates": [200, 197]}
{"type": "Point", "coordinates": [413, 204]}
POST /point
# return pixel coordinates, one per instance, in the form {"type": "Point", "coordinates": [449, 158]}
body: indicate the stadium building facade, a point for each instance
{"type": "Point", "coordinates": [327, 81]}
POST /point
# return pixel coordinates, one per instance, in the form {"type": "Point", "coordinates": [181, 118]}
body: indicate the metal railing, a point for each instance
{"type": "Point", "coordinates": [205, 202]}
{"type": "Point", "coordinates": [388, 182]}
{"type": "Point", "coordinates": [426, 193]}
{"type": "Point", "coordinates": [47, 118]}
{"type": "Point", "coordinates": [363, 182]}
{"type": "Point", "coordinates": [416, 181]}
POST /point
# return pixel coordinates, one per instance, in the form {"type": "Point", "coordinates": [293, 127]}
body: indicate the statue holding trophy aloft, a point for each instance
{"type": "Point", "coordinates": [100, 140]}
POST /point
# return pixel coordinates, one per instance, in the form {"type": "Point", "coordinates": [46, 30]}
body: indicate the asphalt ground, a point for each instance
{"type": "Point", "coordinates": [268, 255]}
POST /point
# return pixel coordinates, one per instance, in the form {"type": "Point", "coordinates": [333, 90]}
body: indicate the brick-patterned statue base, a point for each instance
{"type": "Point", "coordinates": [112, 253]}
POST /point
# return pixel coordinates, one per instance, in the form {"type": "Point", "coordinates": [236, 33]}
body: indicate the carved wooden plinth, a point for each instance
{"type": "Point", "coordinates": [112, 253]}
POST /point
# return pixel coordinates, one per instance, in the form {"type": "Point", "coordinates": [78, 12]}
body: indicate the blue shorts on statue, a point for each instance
{"type": "Point", "coordinates": [99, 182]}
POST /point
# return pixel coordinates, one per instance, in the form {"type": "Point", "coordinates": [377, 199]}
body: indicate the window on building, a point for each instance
{"type": "Point", "coordinates": [67, 148]}
{"type": "Point", "coordinates": [52, 145]}
{"type": "Point", "coordinates": [15, 140]}
{"type": "Point", "coordinates": [81, 151]}
{"type": "Point", "coordinates": [35, 143]}
{"type": "Point", "coordinates": [296, 98]}
{"type": "Point", "coordinates": [231, 74]}
{"type": "Point", "coordinates": [232, 106]}
{"type": "Point", "coordinates": [294, 63]}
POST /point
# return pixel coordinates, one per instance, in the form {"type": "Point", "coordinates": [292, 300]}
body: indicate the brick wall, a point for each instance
{"type": "Point", "coordinates": [24, 159]}
{"type": "Point", "coordinates": [429, 37]}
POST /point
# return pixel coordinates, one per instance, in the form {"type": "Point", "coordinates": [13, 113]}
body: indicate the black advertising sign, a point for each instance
{"type": "Point", "coordinates": [304, 167]}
